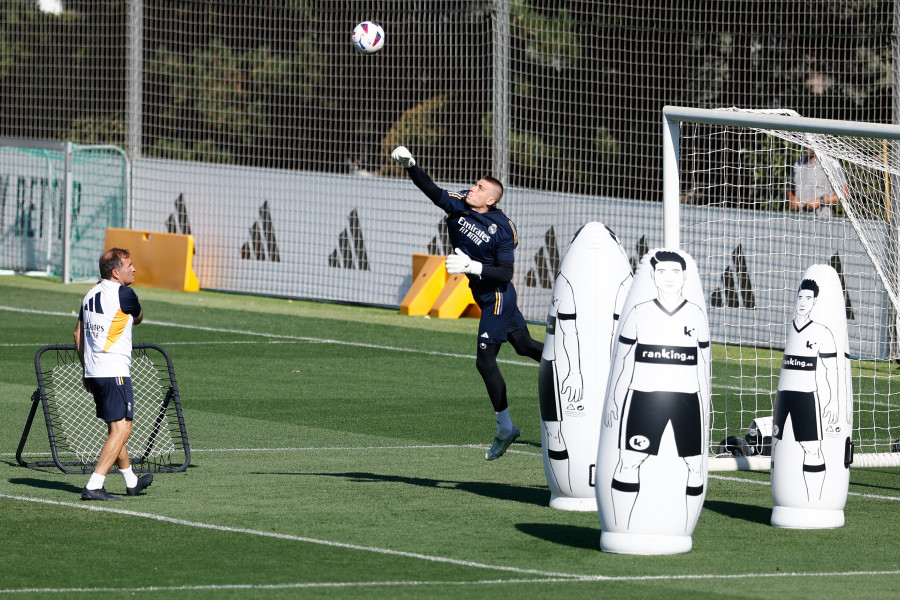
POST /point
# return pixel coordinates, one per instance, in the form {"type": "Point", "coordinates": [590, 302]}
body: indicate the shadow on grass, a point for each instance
{"type": "Point", "coordinates": [571, 536]}
{"type": "Point", "coordinates": [45, 485]}
{"type": "Point", "coordinates": [873, 486]}
{"type": "Point", "coordinates": [539, 496]}
{"type": "Point", "coordinates": [744, 512]}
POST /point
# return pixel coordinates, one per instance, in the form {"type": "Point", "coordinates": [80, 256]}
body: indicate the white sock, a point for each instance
{"type": "Point", "coordinates": [130, 478]}
{"type": "Point", "coordinates": [95, 482]}
{"type": "Point", "coordinates": [504, 424]}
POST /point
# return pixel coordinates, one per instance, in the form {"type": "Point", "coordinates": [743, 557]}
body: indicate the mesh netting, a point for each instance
{"type": "Point", "coordinates": [752, 246]}
{"type": "Point", "coordinates": [158, 440]}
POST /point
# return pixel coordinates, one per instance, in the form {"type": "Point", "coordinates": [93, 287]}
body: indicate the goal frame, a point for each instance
{"type": "Point", "coordinates": [63, 254]}
{"type": "Point", "coordinates": [169, 413]}
{"type": "Point", "coordinates": [673, 117]}
{"type": "Point", "coordinates": [66, 148]}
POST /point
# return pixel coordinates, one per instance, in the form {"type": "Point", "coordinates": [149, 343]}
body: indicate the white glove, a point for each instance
{"type": "Point", "coordinates": [460, 263]}
{"type": "Point", "coordinates": [402, 155]}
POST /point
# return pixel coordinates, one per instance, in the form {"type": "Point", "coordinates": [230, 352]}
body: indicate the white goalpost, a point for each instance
{"type": "Point", "coordinates": [56, 200]}
{"type": "Point", "coordinates": [728, 175]}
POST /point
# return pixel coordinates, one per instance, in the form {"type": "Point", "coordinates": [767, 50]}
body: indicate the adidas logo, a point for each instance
{"type": "Point", "coordinates": [837, 265]}
{"type": "Point", "coordinates": [732, 295]}
{"type": "Point", "coordinates": [642, 248]}
{"type": "Point", "coordinates": [93, 304]}
{"type": "Point", "coordinates": [485, 335]}
{"type": "Point", "coordinates": [262, 229]}
{"type": "Point", "coordinates": [342, 256]}
{"type": "Point", "coordinates": [546, 263]}
{"type": "Point", "coordinates": [179, 219]}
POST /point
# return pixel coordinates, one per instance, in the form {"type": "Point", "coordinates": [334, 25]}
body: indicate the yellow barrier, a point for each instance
{"type": "Point", "coordinates": [435, 293]}
{"type": "Point", "coordinates": [429, 277]}
{"type": "Point", "coordinates": [161, 260]}
{"type": "Point", "coordinates": [455, 300]}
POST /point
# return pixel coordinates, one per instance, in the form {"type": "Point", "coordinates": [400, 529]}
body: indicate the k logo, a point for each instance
{"type": "Point", "coordinates": [638, 442]}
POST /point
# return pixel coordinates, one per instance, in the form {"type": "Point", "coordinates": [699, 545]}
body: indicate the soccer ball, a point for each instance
{"type": "Point", "coordinates": [368, 37]}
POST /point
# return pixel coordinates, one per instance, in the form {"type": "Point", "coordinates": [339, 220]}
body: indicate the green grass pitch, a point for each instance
{"type": "Point", "coordinates": [338, 452]}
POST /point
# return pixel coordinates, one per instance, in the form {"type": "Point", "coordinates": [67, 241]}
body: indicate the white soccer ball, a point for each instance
{"type": "Point", "coordinates": [368, 37]}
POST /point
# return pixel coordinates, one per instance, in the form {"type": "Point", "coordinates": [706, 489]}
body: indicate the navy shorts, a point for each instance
{"type": "Point", "coordinates": [499, 315]}
{"type": "Point", "coordinates": [114, 397]}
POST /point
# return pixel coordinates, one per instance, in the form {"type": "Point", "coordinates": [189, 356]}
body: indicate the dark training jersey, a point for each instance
{"type": "Point", "coordinates": [490, 238]}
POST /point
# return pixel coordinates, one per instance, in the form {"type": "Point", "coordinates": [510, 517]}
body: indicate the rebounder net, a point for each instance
{"type": "Point", "coordinates": [158, 442]}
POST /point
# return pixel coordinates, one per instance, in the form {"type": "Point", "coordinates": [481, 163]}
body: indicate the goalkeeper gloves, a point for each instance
{"type": "Point", "coordinates": [460, 263]}
{"type": "Point", "coordinates": [402, 155]}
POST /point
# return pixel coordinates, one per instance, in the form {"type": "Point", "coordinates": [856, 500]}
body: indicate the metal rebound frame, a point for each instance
{"type": "Point", "coordinates": [159, 441]}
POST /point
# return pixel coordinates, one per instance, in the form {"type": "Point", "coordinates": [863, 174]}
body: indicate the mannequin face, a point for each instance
{"type": "Point", "coordinates": [805, 302]}
{"type": "Point", "coordinates": [669, 277]}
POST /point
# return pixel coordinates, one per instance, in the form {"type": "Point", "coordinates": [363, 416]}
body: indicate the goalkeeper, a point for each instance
{"type": "Point", "coordinates": [484, 242]}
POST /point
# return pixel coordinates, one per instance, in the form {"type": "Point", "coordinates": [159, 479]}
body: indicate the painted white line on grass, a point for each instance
{"type": "Point", "coordinates": [545, 576]}
{"type": "Point", "coordinates": [276, 336]}
{"type": "Point", "coordinates": [759, 482]}
{"type": "Point", "coordinates": [352, 448]}
{"type": "Point", "coordinates": [170, 343]}
{"type": "Point", "coordinates": [370, 584]}
{"type": "Point", "coordinates": [481, 447]}
{"type": "Point", "coordinates": [271, 337]}
{"type": "Point", "coordinates": [767, 392]}
{"type": "Point", "coordinates": [293, 538]}
{"type": "Point", "coordinates": [512, 450]}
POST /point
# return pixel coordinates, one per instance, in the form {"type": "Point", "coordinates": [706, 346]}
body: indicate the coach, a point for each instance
{"type": "Point", "coordinates": [103, 343]}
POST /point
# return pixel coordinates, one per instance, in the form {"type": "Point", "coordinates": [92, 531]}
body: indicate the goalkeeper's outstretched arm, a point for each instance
{"type": "Point", "coordinates": [404, 157]}
{"type": "Point", "coordinates": [502, 272]}
{"type": "Point", "coordinates": [424, 183]}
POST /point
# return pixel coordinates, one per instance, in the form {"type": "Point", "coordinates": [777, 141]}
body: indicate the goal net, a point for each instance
{"type": "Point", "coordinates": [738, 198]}
{"type": "Point", "coordinates": [158, 442]}
{"type": "Point", "coordinates": [56, 201]}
